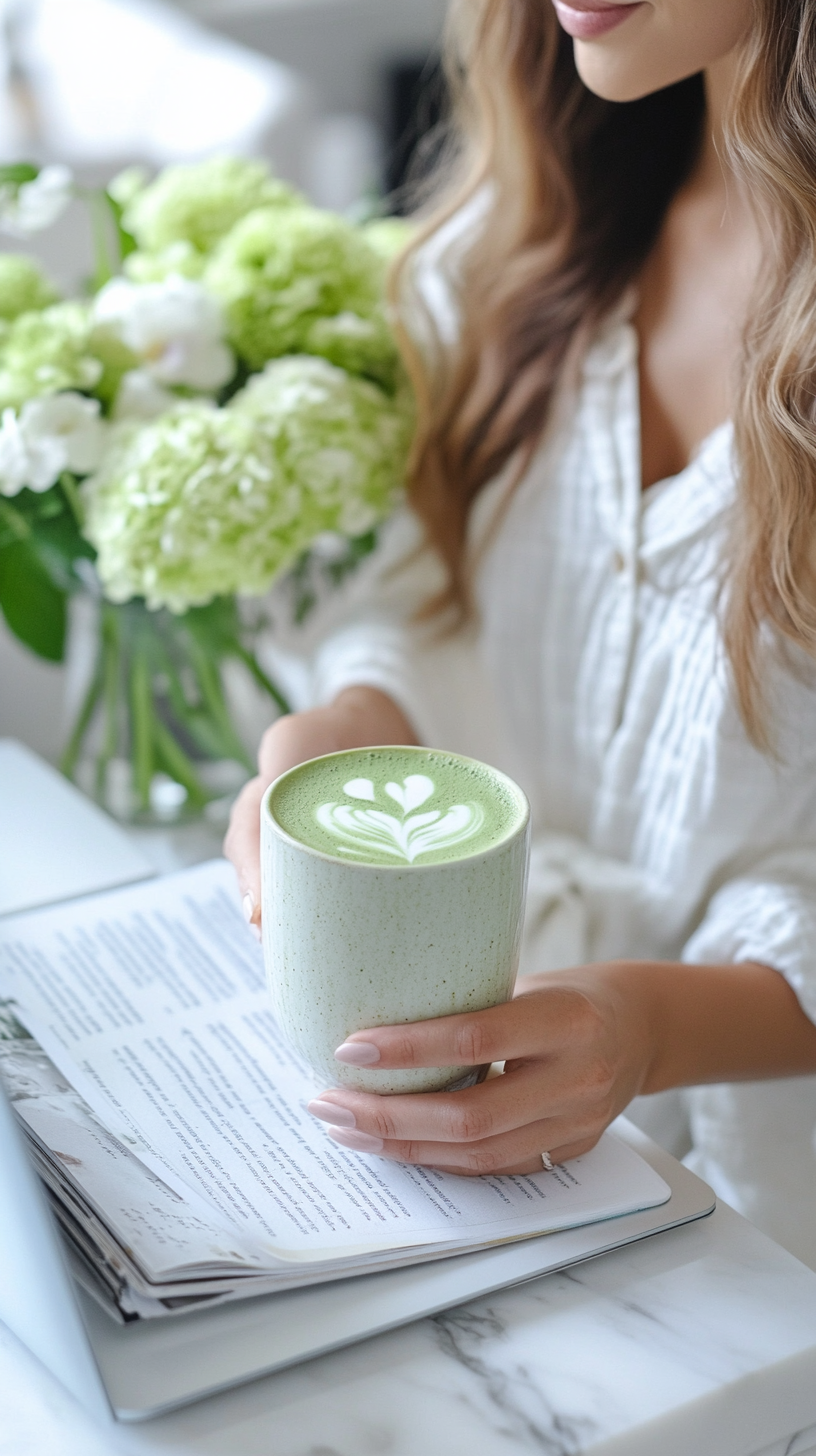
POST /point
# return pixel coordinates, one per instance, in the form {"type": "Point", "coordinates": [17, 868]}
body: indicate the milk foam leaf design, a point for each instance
{"type": "Point", "coordinates": [363, 831]}
{"type": "Point", "coordinates": [414, 791]}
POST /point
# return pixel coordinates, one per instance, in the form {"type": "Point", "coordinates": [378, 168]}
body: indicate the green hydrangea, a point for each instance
{"type": "Point", "coordinates": [342, 439]}
{"type": "Point", "coordinates": [179, 258]}
{"type": "Point", "coordinates": [45, 352]}
{"type": "Point", "coordinates": [362, 346]}
{"type": "Point", "coordinates": [198, 203]}
{"type": "Point", "coordinates": [205, 502]}
{"type": "Point", "coordinates": [127, 184]}
{"type": "Point", "coordinates": [23, 286]}
{"type": "Point", "coordinates": [280, 270]}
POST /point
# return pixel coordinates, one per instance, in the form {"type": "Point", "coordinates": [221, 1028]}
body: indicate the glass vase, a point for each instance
{"type": "Point", "coordinates": [153, 739]}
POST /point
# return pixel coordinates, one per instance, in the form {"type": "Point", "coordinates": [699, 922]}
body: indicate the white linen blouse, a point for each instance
{"type": "Point", "coordinates": [597, 678]}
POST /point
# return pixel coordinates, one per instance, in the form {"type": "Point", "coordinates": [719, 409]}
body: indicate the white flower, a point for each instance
{"type": "Point", "coordinates": [175, 327]}
{"type": "Point", "coordinates": [15, 466]}
{"type": "Point", "coordinates": [55, 433]}
{"type": "Point", "coordinates": [140, 397]}
{"type": "Point", "coordinates": [70, 419]}
{"type": "Point", "coordinates": [31, 206]}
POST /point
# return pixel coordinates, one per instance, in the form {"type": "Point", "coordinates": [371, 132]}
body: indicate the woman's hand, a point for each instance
{"type": "Point", "coordinates": [577, 1045]}
{"type": "Point", "coordinates": [358, 718]}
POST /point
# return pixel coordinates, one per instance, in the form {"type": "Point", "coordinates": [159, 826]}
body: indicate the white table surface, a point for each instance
{"type": "Point", "coordinates": [697, 1342]}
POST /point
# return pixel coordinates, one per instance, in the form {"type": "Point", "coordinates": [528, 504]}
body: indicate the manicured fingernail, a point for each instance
{"type": "Point", "coordinates": [358, 1053]}
{"type": "Point", "coordinates": [330, 1112]}
{"type": "Point", "coordinates": [359, 1142]}
{"type": "Point", "coordinates": [248, 906]}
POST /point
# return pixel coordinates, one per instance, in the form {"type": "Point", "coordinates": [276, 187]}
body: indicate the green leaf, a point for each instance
{"type": "Point", "coordinates": [13, 525]}
{"type": "Point", "coordinates": [48, 525]}
{"type": "Point", "coordinates": [33, 606]}
{"type": "Point", "coordinates": [58, 546]}
{"type": "Point", "coordinates": [127, 242]}
{"type": "Point", "coordinates": [16, 173]}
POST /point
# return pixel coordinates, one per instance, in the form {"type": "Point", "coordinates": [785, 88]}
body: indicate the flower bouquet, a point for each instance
{"type": "Point", "coordinates": [226, 400]}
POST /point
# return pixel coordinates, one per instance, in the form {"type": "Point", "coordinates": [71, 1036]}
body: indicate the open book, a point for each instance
{"type": "Point", "coordinates": [167, 1117]}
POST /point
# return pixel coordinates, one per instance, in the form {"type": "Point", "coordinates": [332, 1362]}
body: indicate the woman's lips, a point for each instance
{"type": "Point", "coordinates": [588, 19]}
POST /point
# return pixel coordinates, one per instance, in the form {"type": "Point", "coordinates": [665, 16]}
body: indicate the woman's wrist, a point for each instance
{"type": "Point", "coordinates": [365, 716]}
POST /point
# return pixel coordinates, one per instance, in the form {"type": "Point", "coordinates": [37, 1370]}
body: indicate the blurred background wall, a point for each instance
{"type": "Point", "coordinates": [335, 93]}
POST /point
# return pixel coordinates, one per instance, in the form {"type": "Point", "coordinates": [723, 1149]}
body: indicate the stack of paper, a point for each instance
{"type": "Point", "coordinates": [168, 1116]}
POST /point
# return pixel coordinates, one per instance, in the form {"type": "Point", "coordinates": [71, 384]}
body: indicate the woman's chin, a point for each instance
{"type": "Point", "coordinates": [615, 75]}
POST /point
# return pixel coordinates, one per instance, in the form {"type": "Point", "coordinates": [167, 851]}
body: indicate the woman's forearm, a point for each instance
{"type": "Point", "coordinates": [719, 1023]}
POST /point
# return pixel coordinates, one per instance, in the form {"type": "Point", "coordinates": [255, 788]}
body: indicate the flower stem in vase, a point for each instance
{"type": "Point", "coordinates": [112, 680]}
{"type": "Point", "coordinates": [212, 693]}
{"type": "Point", "coordinates": [176, 763]}
{"type": "Point", "coordinates": [90, 703]}
{"type": "Point", "coordinates": [251, 662]}
{"type": "Point", "coordinates": [141, 727]}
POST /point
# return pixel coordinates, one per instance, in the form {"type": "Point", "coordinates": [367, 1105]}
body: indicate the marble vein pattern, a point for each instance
{"type": "Point", "coordinates": [520, 1409]}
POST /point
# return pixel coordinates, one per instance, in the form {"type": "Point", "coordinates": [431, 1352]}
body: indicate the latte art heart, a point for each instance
{"type": "Point", "coordinates": [414, 791]}
{"type": "Point", "coordinates": [363, 830]}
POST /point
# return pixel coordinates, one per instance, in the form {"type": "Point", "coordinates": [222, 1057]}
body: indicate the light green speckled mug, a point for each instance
{"type": "Point", "coordinates": [393, 888]}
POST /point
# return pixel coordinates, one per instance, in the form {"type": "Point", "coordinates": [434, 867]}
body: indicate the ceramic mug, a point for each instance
{"type": "Point", "coordinates": [350, 944]}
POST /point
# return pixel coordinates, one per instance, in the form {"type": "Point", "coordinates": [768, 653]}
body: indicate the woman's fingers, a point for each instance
{"type": "Point", "coordinates": [528, 1026]}
{"type": "Point", "coordinates": [516, 1152]}
{"type": "Point", "coordinates": [531, 1164]}
{"type": "Point", "coordinates": [495, 1107]}
{"type": "Point", "coordinates": [243, 846]}
{"type": "Point", "coordinates": [285, 744]}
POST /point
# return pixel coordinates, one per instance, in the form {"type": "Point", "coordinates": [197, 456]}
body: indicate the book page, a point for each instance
{"type": "Point", "coordinates": [152, 1001]}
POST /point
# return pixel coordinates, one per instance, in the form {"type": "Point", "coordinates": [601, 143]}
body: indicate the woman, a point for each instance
{"type": "Point", "coordinates": [628, 396]}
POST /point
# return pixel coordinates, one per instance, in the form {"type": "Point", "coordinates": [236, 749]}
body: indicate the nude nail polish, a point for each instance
{"type": "Point", "coordinates": [358, 1142]}
{"type": "Point", "coordinates": [358, 1053]}
{"type": "Point", "coordinates": [330, 1112]}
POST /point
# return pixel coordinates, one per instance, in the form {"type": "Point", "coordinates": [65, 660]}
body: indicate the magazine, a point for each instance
{"type": "Point", "coordinates": [167, 1117]}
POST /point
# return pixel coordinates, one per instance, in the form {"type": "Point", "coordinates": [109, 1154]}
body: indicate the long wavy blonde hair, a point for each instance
{"type": "Point", "coordinates": [575, 192]}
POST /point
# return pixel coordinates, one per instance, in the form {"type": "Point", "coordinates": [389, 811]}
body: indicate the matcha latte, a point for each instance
{"type": "Point", "coordinates": [393, 884]}
{"type": "Point", "coordinates": [396, 806]}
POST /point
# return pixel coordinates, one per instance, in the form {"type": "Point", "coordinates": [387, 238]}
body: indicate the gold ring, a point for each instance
{"type": "Point", "coordinates": [548, 1162]}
